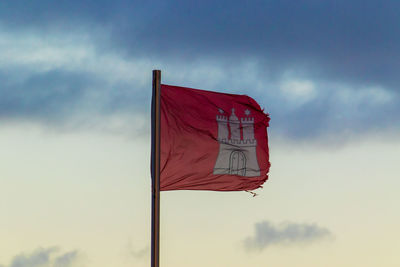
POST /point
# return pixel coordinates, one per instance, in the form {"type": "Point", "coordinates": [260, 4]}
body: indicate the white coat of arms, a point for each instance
{"type": "Point", "coordinates": [237, 154]}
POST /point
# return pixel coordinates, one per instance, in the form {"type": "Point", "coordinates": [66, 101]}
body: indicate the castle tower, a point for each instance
{"type": "Point", "coordinates": [234, 124]}
{"type": "Point", "coordinates": [248, 127]}
{"type": "Point", "coordinates": [223, 132]}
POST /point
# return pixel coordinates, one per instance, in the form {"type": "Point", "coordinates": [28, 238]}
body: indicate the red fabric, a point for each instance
{"type": "Point", "coordinates": [191, 141]}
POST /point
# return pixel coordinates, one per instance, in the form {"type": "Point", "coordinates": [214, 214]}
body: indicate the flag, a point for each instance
{"type": "Point", "coordinates": [212, 141]}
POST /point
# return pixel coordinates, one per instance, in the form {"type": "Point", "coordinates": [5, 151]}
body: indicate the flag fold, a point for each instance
{"type": "Point", "coordinates": [212, 141]}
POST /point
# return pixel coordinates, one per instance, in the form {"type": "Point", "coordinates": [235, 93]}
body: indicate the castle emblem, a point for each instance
{"type": "Point", "coordinates": [237, 146]}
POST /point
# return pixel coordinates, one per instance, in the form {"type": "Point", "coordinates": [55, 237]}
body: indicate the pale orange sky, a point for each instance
{"type": "Point", "coordinates": [89, 192]}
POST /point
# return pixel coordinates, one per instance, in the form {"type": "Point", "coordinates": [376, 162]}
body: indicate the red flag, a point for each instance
{"type": "Point", "coordinates": [212, 141]}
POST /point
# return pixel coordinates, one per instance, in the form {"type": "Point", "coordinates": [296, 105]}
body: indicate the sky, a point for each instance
{"type": "Point", "coordinates": [75, 94]}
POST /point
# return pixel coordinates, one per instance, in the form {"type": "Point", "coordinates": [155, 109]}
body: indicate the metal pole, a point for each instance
{"type": "Point", "coordinates": [155, 169]}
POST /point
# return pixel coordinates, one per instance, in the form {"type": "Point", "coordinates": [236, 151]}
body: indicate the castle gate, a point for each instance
{"type": "Point", "coordinates": [237, 163]}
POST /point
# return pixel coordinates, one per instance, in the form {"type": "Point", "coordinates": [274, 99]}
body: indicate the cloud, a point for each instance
{"type": "Point", "coordinates": [333, 40]}
{"type": "Point", "coordinates": [327, 68]}
{"type": "Point", "coordinates": [38, 258]}
{"type": "Point", "coordinates": [336, 40]}
{"type": "Point", "coordinates": [67, 83]}
{"type": "Point", "coordinates": [64, 82]}
{"type": "Point", "coordinates": [267, 234]}
{"type": "Point", "coordinates": [66, 260]}
{"type": "Point", "coordinates": [141, 253]}
{"type": "Point", "coordinates": [49, 257]}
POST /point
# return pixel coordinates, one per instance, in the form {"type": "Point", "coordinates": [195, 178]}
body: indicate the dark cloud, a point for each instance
{"type": "Point", "coordinates": [353, 41]}
{"type": "Point", "coordinates": [333, 44]}
{"type": "Point", "coordinates": [49, 257]}
{"type": "Point", "coordinates": [46, 12]}
{"type": "Point", "coordinates": [328, 116]}
{"type": "Point", "coordinates": [267, 234]}
{"type": "Point", "coordinates": [44, 94]}
{"type": "Point", "coordinates": [349, 42]}
{"type": "Point", "coordinates": [57, 95]}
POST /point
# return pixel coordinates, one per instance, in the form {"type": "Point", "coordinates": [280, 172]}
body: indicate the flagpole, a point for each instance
{"type": "Point", "coordinates": [155, 169]}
